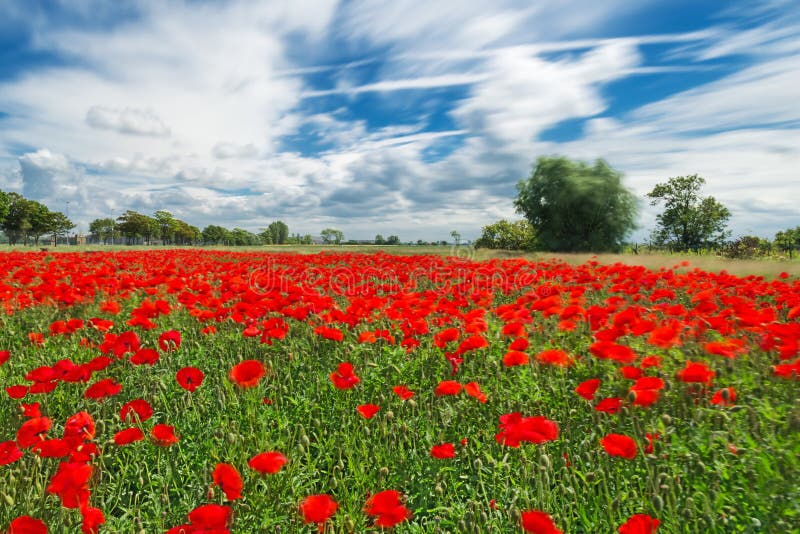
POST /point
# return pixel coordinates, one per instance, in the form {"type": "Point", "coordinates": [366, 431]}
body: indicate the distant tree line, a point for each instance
{"type": "Point", "coordinates": [23, 220]}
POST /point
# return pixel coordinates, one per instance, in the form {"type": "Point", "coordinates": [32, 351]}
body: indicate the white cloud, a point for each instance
{"type": "Point", "coordinates": [127, 121]}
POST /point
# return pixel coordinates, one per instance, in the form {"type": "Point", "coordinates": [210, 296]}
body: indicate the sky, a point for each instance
{"type": "Point", "coordinates": [403, 117]}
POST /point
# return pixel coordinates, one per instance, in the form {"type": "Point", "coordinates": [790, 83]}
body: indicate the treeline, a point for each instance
{"type": "Point", "coordinates": [23, 220]}
{"type": "Point", "coordinates": [134, 228]}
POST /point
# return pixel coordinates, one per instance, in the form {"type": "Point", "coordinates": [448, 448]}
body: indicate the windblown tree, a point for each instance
{"type": "Point", "coordinates": [517, 235]}
{"type": "Point", "coordinates": [59, 225]}
{"type": "Point", "coordinates": [4, 204]}
{"type": "Point", "coordinates": [576, 207]}
{"type": "Point", "coordinates": [332, 236]}
{"type": "Point", "coordinates": [689, 221]}
{"type": "Point", "coordinates": [788, 241]}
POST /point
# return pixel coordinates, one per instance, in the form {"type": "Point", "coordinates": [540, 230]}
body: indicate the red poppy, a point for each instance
{"type": "Point", "coordinates": [387, 509]}
{"type": "Point", "coordinates": [639, 524]}
{"type": "Point", "coordinates": [267, 462]}
{"type": "Point", "coordinates": [696, 372]}
{"type": "Point", "coordinates": [651, 438]}
{"type": "Point", "coordinates": [538, 522]}
{"type": "Point", "coordinates": [443, 451]}
{"type": "Point", "coordinates": [329, 333]}
{"type": "Point", "coordinates": [318, 508]}
{"type": "Point", "coordinates": [368, 410]}
{"type": "Point", "coordinates": [33, 431]}
{"type": "Point", "coordinates": [136, 409]}
{"type": "Point", "coordinates": [52, 448]}
{"type": "Point", "coordinates": [447, 387]}
{"type": "Point", "coordinates": [610, 405]}
{"type": "Point", "coordinates": [103, 388]}
{"type": "Point", "coordinates": [145, 357]}
{"type": "Point", "coordinates": [30, 410]}
{"type": "Point", "coordinates": [71, 483]}
{"type": "Point", "coordinates": [27, 525]}
{"type": "Point", "coordinates": [644, 397]}
{"type": "Point", "coordinates": [556, 357]}
{"type": "Point", "coordinates": [164, 435]}
{"type": "Point", "coordinates": [515, 357]}
{"type": "Point", "coordinates": [344, 377]}
{"type": "Point", "coordinates": [248, 373]}
{"type": "Point", "coordinates": [4, 356]}
{"type": "Point", "coordinates": [619, 445]}
{"type": "Point", "coordinates": [189, 378]}
{"type": "Point", "coordinates": [17, 392]}
{"type": "Point", "coordinates": [79, 427]}
{"type": "Point", "coordinates": [724, 397]}
{"type": "Point", "coordinates": [520, 343]}
{"type": "Point", "coordinates": [9, 453]}
{"type": "Point", "coordinates": [92, 518]}
{"type": "Point", "coordinates": [128, 436]}
{"type": "Point", "coordinates": [630, 372]}
{"type": "Point", "coordinates": [210, 517]}
{"type": "Point", "coordinates": [514, 429]}
{"type": "Point", "coordinates": [612, 351]}
{"type": "Point", "coordinates": [473, 389]}
{"type": "Point", "coordinates": [403, 392]}
{"type": "Point", "coordinates": [169, 341]}
{"type": "Point", "coordinates": [588, 388]}
{"type": "Point", "coordinates": [650, 361]}
{"type": "Point", "coordinates": [229, 480]}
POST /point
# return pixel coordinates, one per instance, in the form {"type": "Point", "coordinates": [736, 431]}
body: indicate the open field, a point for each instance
{"type": "Point", "coordinates": [201, 390]}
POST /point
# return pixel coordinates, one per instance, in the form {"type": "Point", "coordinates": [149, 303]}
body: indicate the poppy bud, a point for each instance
{"type": "Point", "coordinates": [462, 526]}
{"type": "Point", "coordinates": [349, 524]}
{"type": "Point", "coordinates": [389, 415]}
{"type": "Point", "coordinates": [439, 489]}
{"type": "Point", "coordinates": [8, 499]}
{"type": "Point", "coordinates": [383, 471]}
{"type": "Point", "coordinates": [477, 463]}
{"type": "Point", "coordinates": [666, 419]}
{"type": "Point", "coordinates": [545, 462]}
{"type": "Point", "coordinates": [412, 403]}
{"type": "Point", "coordinates": [658, 503]}
{"type": "Point", "coordinates": [304, 441]}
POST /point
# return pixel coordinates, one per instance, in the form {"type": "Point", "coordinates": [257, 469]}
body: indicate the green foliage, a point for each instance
{"type": "Point", "coordinates": [379, 240]}
{"type": "Point", "coordinates": [575, 206]}
{"type": "Point", "coordinates": [689, 221]}
{"type": "Point", "coordinates": [748, 246]}
{"type": "Point", "coordinates": [393, 240]}
{"type": "Point", "coordinates": [332, 235]}
{"type": "Point", "coordinates": [105, 229]}
{"type": "Point", "coordinates": [517, 235]}
{"type": "Point", "coordinates": [135, 226]}
{"type": "Point", "coordinates": [788, 240]}
{"type": "Point", "coordinates": [4, 204]}
{"type": "Point", "coordinates": [215, 235]}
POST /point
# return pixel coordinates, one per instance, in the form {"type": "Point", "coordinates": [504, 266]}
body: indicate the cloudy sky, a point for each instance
{"type": "Point", "coordinates": [408, 117]}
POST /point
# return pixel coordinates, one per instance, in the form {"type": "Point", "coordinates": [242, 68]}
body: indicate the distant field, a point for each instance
{"type": "Point", "coordinates": [758, 267]}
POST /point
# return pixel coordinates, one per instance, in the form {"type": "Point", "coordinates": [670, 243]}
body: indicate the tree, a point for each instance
{"type": "Point", "coordinates": [517, 235]}
{"type": "Point", "coordinates": [166, 224]}
{"type": "Point", "coordinates": [576, 207]}
{"type": "Point", "coordinates": [59, 225]}
{"type": "Point", "coordinates": [104, 229]}
{"type": "Point", "coordinates": [40, 219]}
{"type": "Point", "coordinates": [134, 225]}
{"type": "Point", "coordinates": [332, 235]}
{"type": "Point", "coordinates": [5, 202]}
{"type": "Point", "coordinates": [215, 235]}
{"type": "Point", "coordinates": [456, 236]}
{"type": "Point", "coordinates": [689, 221]}
{"type": "Point", "coordinates": [379, 240]}
{"type": "Point", "coordinates": [788, 240]}
{"type": "Point", "coordinates": [393, 240]}
{"type": "Point", "coordinates": [16, 224]}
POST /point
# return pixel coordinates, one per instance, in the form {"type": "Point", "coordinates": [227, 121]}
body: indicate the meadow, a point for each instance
{"type": "Point", "coordinates": [257, 391]}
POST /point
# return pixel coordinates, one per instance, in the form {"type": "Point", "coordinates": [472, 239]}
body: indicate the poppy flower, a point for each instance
{"type": "Point", "coordinates": [79, 427]}
{"type": "Point", "coordinates": [30, 410]}
{"type": "Point", "coordinates": [128, 436]}
{"type": "Point", "coordinates": [71, 483]}
{"type": "Point", "coordinates": [538, 522]}
{"type": "Point", "coordinates": [145, 357]}
{"type": "Point", "coordinates": [696, 372]}
{"type": "Point", "coordinates": [329, 333]}
{"type": "Point", "coordinates": [473, 389]}
{"type": "Point", "coordinates": [639, 524]}
{"type": "Point", "coordinates": [229, 480]}
{"type": "Point", "coordinates": [189, 378]}
{"type": "Point", "coordinates": [447, 387]}
{"type": "Point", "coordinates": [136, 409]}
{"type": "Point", "coordinates": [27, 525]}
{"type": "Point", "coordinates": [318, 508]}
{"type": "Point", "coordinates": [164, 435]}
{"type": "Point", "coordinates": [17, 392]}
{"type": "Point", "coordinates": [650, 361]}
{"type": "Point", "coordinates": [344, 377]}
{"type": "Point", "coordinates": [619, 445]}
{"type": "Point", "coordinates": [368, 410]}
{"type": "Point", "coordinates": [33, 431]}
{"type": "Point", "coordinates": [610, 405]}
{"type": "Point", "coordinates": [91, 519]}
{"type": "Point", "coordinates": [4, 356]}
{"type": "Point", "coordinates": [52, 448]}
{"type": "Point", "coordinates": [644, 397]}
{"type": "Point", "coordinates": [651, 439]}
{"type": "Point", "coordinates": [169, 341]}
{"type": "Point", "coordinates": [248, 373]}
{"type": "Point", "coordinates": [588, 388]}
{"type": "Point", "coordinates": [520, 343]}
{"type": "Point", "coordinates": [212, 517]}
{"type": "Point", "coordinates": [443, 451]}
{"type": "Point", "coordinates": [556, 357]}
{"type": "Point", "coordinates": [515, 429]}
{"type": "Point", "coordinates": [387, 509]}
{"type": "Point", "coordinates": [612, 351]}
{"type": "Point", "coordinates": [403, 392]}
{"type": "Point", "coordinates": [103, 388]}
{"type": "Point", "coordinates": [630, 372]}
{"type": "Point", "coordinates": [514, 357]}
{"type": "Point", "coordinates": [9, 453]}
{"type": "Point", "coordinates": [724, 397]}
{"type": "Point", "coordinates": [267, 462]}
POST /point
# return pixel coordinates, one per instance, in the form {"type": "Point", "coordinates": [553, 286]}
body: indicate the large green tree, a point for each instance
{"type": "Point", "coordinates": [575, 206]}
{"type": "Point", "coordinates": [332, 235]}
{"type": "Point", "coordinates": [4, 204]}
{"type": "Point", "coordinates": [105, 229]}
{"type": "Point", "coordinates": [689, 221]}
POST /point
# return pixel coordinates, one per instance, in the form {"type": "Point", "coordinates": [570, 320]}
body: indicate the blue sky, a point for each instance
{"type": "Point", "coordinates": [407, 117]}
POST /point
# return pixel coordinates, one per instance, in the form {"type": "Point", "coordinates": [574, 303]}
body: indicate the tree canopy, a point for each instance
{"type": "Point", "coordinates": [575, 206]}
{"type": "Point", "coordinates": [517, 235]}
{"type": "Point", "coordinates": [689, 221]}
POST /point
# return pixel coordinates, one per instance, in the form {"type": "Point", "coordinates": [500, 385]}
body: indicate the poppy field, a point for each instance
{"type": "Point", "coordinates": [188, 391]}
